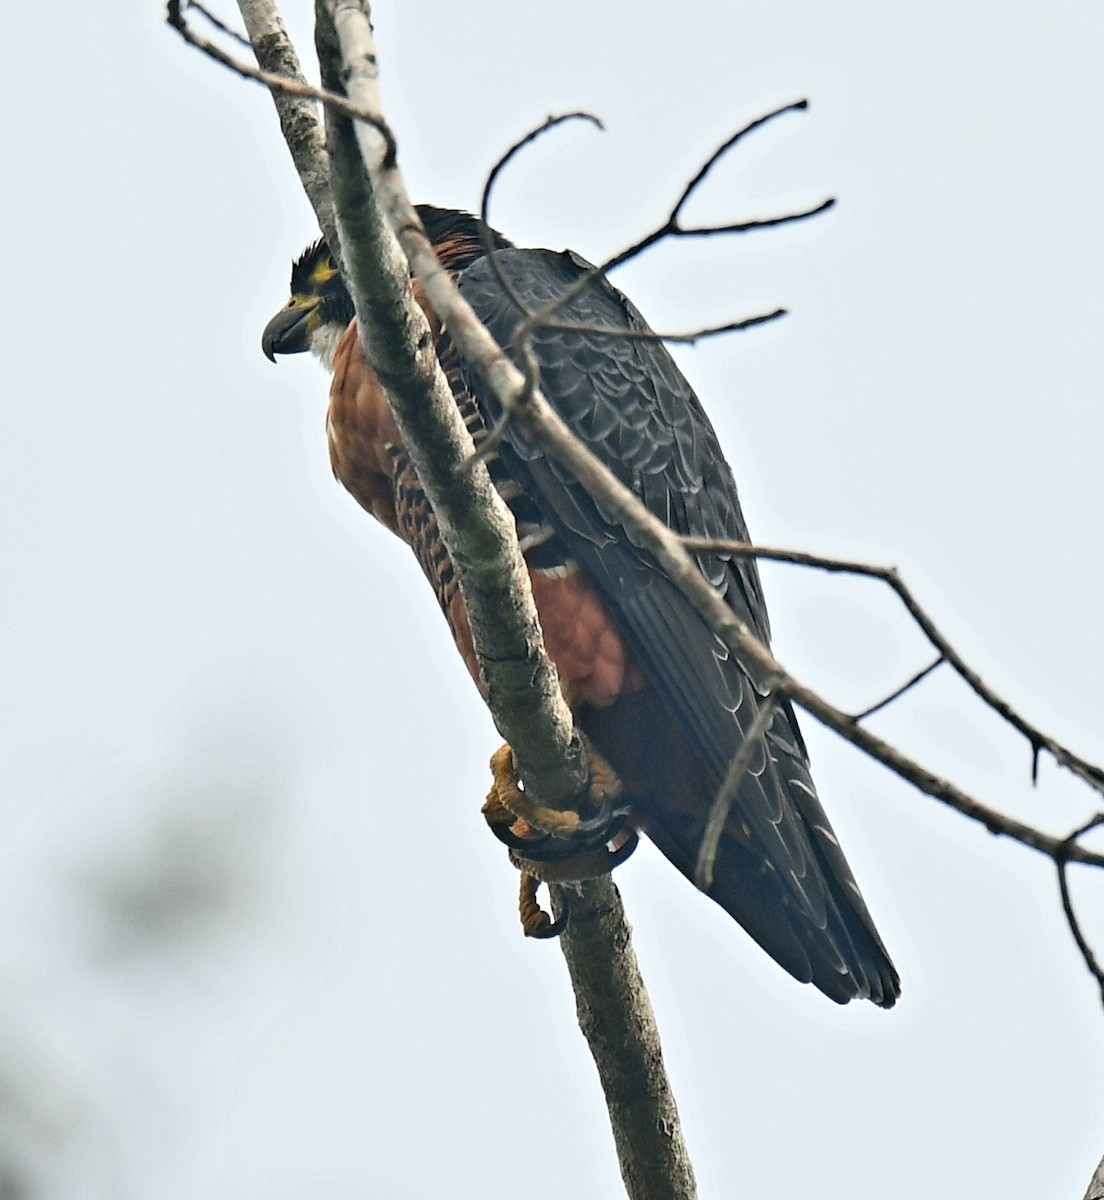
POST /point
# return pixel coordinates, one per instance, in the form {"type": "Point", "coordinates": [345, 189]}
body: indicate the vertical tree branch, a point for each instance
{"type": "Point", "coordinates": [521, 684]}
{"type": "Point", "coordinates": [613, 1008]}
{"type": "Point", "coordinates": [590, 913]}
{"type": "Point", "coordinates": [616, 1017]}
{"type": "Point", "coordinates": [298, 116]}
{"type": "Point", "coordinates": [1096, 1184]}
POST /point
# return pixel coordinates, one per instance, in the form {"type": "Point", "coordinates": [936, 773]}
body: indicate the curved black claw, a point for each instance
{"type": "Point", "coordinates": [556, 927]}
{"type": "Point", "coordinates": [591, 834]}
{"type": "Point", "coordinates": [624, 851]}
{"type": "Point", "coordinates": [524, 845]}
{"type": "Point", "coordinates": [546, 848]}
{"type": "Point", "coordinates": [600, 823]}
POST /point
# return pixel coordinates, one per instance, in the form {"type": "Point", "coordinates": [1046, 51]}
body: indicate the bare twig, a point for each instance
{"type": "Point", "coordinates": [527, 139]}
{"type": "Point", "coordinates": [737, 769]}
{"type": "Point", "coordinates": [493, 439]}
{"type": "Point", "coordinates": [218, 23]}
{"type": "Point", "coordinates": [1061, 860]}
{"type": "Point", "coordinates": [723, 149]}
{"type": "Point", "coordinates": [672, 228]}
{"type": "Point", "coordinates": [1087, 772]}
{"type": "Point", "coordinates": [277, 83]}
{"type": "Point", "coordinates": [545, 318]}
{"type": "Point", "coordinates": [897, 693]}
{"type": "Point", "coordinates": [520, 684]}
{"type": "Point", "coordinates": [649, 335]}
{"type": "Point", "coordinates": [670, 552]}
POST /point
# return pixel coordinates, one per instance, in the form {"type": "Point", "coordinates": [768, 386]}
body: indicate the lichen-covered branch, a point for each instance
{"type": "Point", "coordinates": [616, 1018]}
{"type": "Point", "coordinates": [1096, 1184]}
{"type": "Point", "coordinates": [475, 524]}
{"type": "Point", "coordinates": [521, 685]}
{"type": "Point", "coordinates": [298, 115]}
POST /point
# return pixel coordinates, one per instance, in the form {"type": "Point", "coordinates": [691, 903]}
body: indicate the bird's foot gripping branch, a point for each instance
{"type": "Point", "coordinates": [551, 846]}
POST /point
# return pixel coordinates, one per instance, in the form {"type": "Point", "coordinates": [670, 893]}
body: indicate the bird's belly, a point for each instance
{"type": "Point", "coordinates": [595, 666]}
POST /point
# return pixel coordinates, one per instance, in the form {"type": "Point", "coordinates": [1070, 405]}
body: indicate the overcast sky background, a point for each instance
{"type": "Point", "coordinates": [256, 941]}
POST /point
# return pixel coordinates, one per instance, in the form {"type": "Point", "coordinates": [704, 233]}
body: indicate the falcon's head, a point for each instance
{"type": "Point", "coordinates": [321, 308]}
{"type": "Point", "coordinates": [318, 312]}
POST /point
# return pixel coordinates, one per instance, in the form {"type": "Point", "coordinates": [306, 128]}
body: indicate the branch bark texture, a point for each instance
{"type": "Point", "coordinates": [1096, 1184]}
{"type": "Point", "coordinates": [299, 123]}
{"type": "Point", "coordinates": [522, 686]}
{"type": "Point", "coordinates": [613, 1007]}
{"type": "Point", "coordinates": [615, 1015]}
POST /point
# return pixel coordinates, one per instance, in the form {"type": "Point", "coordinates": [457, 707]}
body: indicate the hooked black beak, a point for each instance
{"type": "Point", "coordinates": [288, 332]}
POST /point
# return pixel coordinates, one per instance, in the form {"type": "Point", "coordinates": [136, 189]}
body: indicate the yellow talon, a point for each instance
{"type": "Point", "coordinates": [506, 794]}
{"type": "Point", "coordinates": [534, 920]}
{"type": "Point", "coordinates": [525, 826]}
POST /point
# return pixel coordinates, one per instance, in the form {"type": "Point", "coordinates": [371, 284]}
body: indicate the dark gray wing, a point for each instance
{"type": "Point", "coordinates": [629, 403]}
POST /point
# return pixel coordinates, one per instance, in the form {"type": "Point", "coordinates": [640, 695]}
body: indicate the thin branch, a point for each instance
{"type": "Point", "coordinates": [493, 439]}
{"type": "Point", "coordinates": [616, 1017]}
{"type": "Point", "coordinates": [521, 685]}
{"type": "Point", "coordinates": [527, 139]}
{"type": "Point", "coordinates": [669, 550]}
{"type": "Point", "coordinates": [723, 149]}
{"type": "Point", "coordinates": [277, 83]}
{"type": "Point", "coordinates": [545, 318]}
{"type": "Point", "coordinates": [489, 248]}
{"type": "Point", "coordinates": [1087, 772]}
{"type": "Point", "coordinates": [298, 115]}
{"type": "Point", "coordinates": [734, 777]}
{"type": "Point", "coordinates": [649, 335]}
{"type": "Point", "coordinates": [219, 23]}
{"type": "Point", "coordinates": [897, 693]}
{"type": "Point", "coordinates": [1062, 860]}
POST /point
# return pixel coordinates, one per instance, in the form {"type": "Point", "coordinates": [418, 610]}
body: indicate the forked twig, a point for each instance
{"type": "Point", "coordinates": [1062, 861]}
{"type": "Point", "coordinates": [534, 320]}
{"type": "Point", "coordinates": [276, 83]}
{"type": "Point", "coordinates": [1088, 773]}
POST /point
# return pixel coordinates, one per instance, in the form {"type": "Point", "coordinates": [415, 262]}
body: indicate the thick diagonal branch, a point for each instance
{"type": "Point", "coordinates": [1096, 1184]}
{"type": "Point", "coordinates": [521, 684]}
{"type": "Point", "coordinates": [614, 1011]}
{"type": "Point", "coordinates": [615, 1015]}
{"type": "Point", "coordinates": [298, 115]}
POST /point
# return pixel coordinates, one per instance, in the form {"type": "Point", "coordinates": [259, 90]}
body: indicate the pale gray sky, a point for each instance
{"type": "Point", "coordinates": [232, 967]}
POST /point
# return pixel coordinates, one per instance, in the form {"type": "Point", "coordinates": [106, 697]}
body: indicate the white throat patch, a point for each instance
{"type": "Point", "coordinates": [324, 344]}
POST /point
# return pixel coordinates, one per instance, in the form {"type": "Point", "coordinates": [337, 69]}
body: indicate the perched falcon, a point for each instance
{"type": "Point", "coordinates": [654, 690]}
